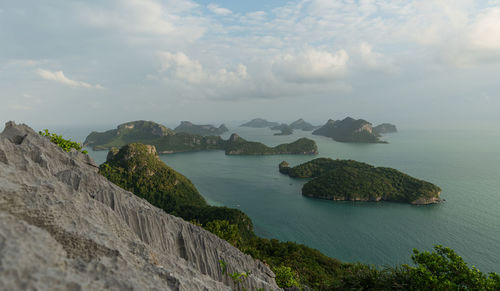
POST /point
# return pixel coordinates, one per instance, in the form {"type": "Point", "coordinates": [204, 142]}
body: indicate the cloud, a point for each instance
{"type": "Point", "coordinates": [146, 17]}
{"type": "Point", "coordinates": [311, 66]}
{"type": "Point", "coordinates": [181, 67]}
{"type": "Point", "coordinates": [59, 77]}
{"type": "Point", "coordinates": [219, 10]}
{"type": "Point", "coordinates": [374, 60]}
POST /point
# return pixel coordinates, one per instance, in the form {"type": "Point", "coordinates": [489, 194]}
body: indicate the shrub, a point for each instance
{"type": "Point", "coordinates": [65, 144]}
{"type": "Point", "coordinates": [285, 277]}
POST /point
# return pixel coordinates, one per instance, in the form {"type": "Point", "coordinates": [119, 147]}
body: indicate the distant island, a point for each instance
{"type": "Point", "coordinates": [203, 130]}
{"type": "Point", "coordinates": [239, 146]}
{"type": "Point", "coordinates": [167, 141]}
{"type": "Point", "coordinates": [259, 123]}
{"type": "Point", "coordinates": [384, 128]}
{"type": "Point", "coordinates": [284, 128]}
{"type": "Point", "coordinates": [302, 125]}
{"type": "Point", "coordinates": [349, 130]}
{"type": "Point", "coordinates": [355, 181]}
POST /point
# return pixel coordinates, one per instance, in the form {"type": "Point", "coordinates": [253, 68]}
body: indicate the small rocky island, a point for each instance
{"type": "Point", "coordinates": [259, 123]}
{"type": "Point", "coordinates": [284, 129]}
{"type": "Point", "coordinates": [349, 130]}
{"type": "Point", "coordinates": [385, 128]}
{"type": "Point", "coordinates": [348, 180]}
{"type": "Point", "coordinates": [167, 141]}
{"type": "Point", "coordinates": [203, 129]}
{"type": "Point", "coordinates": [302, 125]}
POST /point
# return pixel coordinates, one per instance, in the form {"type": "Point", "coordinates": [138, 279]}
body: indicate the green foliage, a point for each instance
{"type": "Point", "coordinates": [348, 130]}
{"type": "Point", "coordinates": [225, 230]}
{"type": "Point", "coordinates": [243, 147]}
{"type": "Point", "coordinates": [443, 269]}
{"type": "Point", "coordinates": [65, 144]}
{"type": "Point", "coordinates": [136, 169]}
{"type": "Point", "coordinates": [351, 180]}
{"type": "Point", "coordinates": [285, 277]}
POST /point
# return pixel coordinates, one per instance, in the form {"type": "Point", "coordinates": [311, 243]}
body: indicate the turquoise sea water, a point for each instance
{"type": "Point", "coordinates": [465, 164]}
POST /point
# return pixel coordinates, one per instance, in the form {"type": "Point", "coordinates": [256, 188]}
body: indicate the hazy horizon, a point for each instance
{"type": "Point", "coordinates": [417, 64]}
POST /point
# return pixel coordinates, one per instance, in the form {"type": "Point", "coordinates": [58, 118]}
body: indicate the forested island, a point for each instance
{"type": "Point", "coordinates": [259, 123]}
{"type": "Point", "coordinates": [239, 146]}
{"type": "Point", "coordinates": [354, 130]}
{"type": "Point", "coordinates": [303, 125]}
{"type": "Point", "coordinates": [355, 181]}
{"type": "Point", "coordinates": [203, 130]}
{"type": "Point", "coordinates": [284, 129]}
{"type": "Point", "coordinates": [169, 141]}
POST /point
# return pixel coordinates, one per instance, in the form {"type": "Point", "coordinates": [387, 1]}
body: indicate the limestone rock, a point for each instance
{"type": "Point", "coordinates": [65, 227]}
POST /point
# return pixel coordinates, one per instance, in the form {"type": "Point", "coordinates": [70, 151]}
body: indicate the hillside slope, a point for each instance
{"type": "Point", "coordinates": [65, 227]}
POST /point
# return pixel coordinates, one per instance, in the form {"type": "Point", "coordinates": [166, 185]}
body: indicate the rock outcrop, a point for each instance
{"type": "Point", "coordinates": [65, 227]}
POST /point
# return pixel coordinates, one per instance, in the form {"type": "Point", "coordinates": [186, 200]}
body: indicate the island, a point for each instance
{"type": "Point", "coordinates": [239, 146]}
{"type": "Point", "coordinates": [302, 125]}
{"type": "Point", "coordinates": [137, 168]}
{"type": "Point", "coordinates": [203, 130]}
{"type": "Point", "coordinates": [284, 128]}
{"type": "Point", "coordinates": [349, 130]}
{"type": "Point", "coordinates": [167, 141]}
{"type": "Point", "coordinates": [348, 180]}
{"type": "Point", "coordinates": [259, 123]}
{"type": "Point", "coordinates": [385, 128]}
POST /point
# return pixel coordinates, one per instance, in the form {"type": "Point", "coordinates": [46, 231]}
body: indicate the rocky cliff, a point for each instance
{"type": "Point", "coordinates": [65, 227]}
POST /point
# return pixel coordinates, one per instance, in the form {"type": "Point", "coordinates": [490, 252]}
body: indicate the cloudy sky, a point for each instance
{"type": "Point", "coordinates": [95, 62]}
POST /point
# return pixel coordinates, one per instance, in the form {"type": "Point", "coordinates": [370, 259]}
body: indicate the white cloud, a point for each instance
{"type": "Point", "coordinates": [180, 66]}
{"type": "Point", "coordinates": [219, 10]}
{"type": "Point", "coordinates": [311, 66]}
{"type": "Point", "coordinates": [484, 32]}
{"type": "Point", "coordinates": [147, 17]}
{"type": "Point", "coordinates": [59, 77]}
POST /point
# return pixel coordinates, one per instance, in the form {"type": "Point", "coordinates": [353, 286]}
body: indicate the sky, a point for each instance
{"type": "Point", "coordinates": [415, 63]}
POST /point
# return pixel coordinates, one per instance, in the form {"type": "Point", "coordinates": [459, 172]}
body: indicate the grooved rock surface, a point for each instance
{"type": "Point", "coordinates": [65, 227]}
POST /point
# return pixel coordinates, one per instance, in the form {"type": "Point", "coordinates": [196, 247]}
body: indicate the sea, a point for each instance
{"type": "Point", "coordinates": [464, 163]}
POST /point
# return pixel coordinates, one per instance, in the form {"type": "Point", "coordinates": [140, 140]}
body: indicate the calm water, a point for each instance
{"type": "Point", "coordinates": [466, 165]}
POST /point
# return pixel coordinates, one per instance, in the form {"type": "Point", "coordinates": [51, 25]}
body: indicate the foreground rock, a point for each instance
{"type": "Point", "coordinates": [65, 227]}
{"type": "Point", "coordinates": [355, 181]}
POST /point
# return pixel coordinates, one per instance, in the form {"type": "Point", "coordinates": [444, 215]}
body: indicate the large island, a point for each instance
{"type": "Point", "coordinates": [355, 181]}
{"type": "Point", "coordinates": [168, 141]}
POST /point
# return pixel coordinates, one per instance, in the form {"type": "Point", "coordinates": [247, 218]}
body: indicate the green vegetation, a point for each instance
{"type": "Point", "coordinates": [203, 130]}
{"type": "Point", "coordinates": [65, 144]}
{"type": "Point", "coordinates": [167, 141]}
{"type": "Point", "coordinates": [285, 277]}
{"type": "Point", "coordinates": [356, 181]}
{"type": "Point", "coordinates": [225, 230]}
{"type": "Point", "coordinates": [284, 129]}
{"type": "Point", "coordinates": [137, 168]}
{"type": "Point", "coordinates": [302, 125]}
{"type": "Point", "coordinates": [239, 146]}
{"type": "Point", "coordinates": [259, 123]}
{"type": "Point", "coordinates": [349, 130]}
{"type": "Point", "coordinates": [130, 132]}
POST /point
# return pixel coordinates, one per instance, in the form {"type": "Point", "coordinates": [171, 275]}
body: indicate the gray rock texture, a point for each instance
{"type": "Point", "coordinates": [65, 227]}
